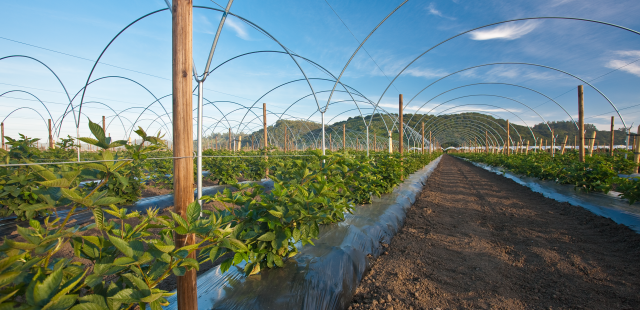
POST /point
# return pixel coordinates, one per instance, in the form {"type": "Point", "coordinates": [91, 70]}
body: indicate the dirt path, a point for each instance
{"type": "Point", "coordinates": [476, 240]}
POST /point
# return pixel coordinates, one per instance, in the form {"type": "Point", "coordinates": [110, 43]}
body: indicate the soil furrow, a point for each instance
{"type": "Point", "coordinates": [477, 240]}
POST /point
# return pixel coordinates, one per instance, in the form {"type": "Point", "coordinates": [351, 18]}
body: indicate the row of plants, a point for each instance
{"type": "Point", "coordinates": [598, 173]}
{"type": "Point", "coordinates": [259, 228]}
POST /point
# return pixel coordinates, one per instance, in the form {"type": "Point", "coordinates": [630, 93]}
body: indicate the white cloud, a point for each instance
{"type": "Point", "coordinates": [238, 28]}
{"type": "Point", "coordinates": [433, 11]}
{"type": "Point", "coordinates": [509, 31]}
{"type": "Point", "coordinates": [426, 73]}
{"type": "Point", "coordinates": [629, 63]}
{"type": "Point", "coordinates": [622, 65]}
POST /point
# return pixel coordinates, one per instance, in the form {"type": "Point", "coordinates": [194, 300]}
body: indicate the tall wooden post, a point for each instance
{"type": "Point", "coordinates": [581, 121]}
{"type": "Point", "coordinates": [636, 151]}
{"type": "Point", "coordinates": [486, 142]}
{"type": "Point", "coordinates": [431, 147]}
{"type": "Point", "coordinates": [344, 137]}
{"type": "Point", "coordinates": [400, 128]}
{"type": "Point", "coordinates": [215, 147]}
{"type": "Point", "coordinates": [526, 151]}
{"type": "Point", "coordinates": [507, 144]}
{"type": "Point", "coordinates": [182, 30]}
{"type": "Point", "coordinates": [612, 133]}
{"type": "Point", "coordinates": [423, 138]}
{"type": "Point", "coordinates": [230, 146]}
{"type": "Point", "coordinates": [2, 134]}
{"type": "Point", "coordinates": [266, 144]}
{"type": "Point", "coordinates": [330, 143]}
{"type": "Point", "coordinates": [592, 143]}
{"type": "Point", "coordinates": [564, 144]}
{"type": "Point", "coordinates": [285, 139]}
{"type": "Point", "coordinates": [553, 142]}
{"type": "Point", "coordinates": [390, 143]}
{"type": "Point", "coordinates": [50, 135]}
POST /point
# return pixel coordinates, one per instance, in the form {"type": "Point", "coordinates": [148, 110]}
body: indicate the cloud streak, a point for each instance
{"type": "Point", "coordinates": [238, 28]}
{"type": "Point", "coordinates": [510, 31]}
{"type": "Point", "coordinates": [433, 11]}
{"type": "Point", "coordinates": [629, 64]}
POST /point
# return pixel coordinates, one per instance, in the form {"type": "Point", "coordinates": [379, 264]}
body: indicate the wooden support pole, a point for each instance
{"type": "Point", "coordinates": [612, 133]}
{"type": "Point", "coordinates": [564, 144]}
{"type": "Point", "coordinates": [390, 143]}
{"type": "Point", "coordinates": [2, 134]}
{"type": "Point", "coordinates": [50, 135]}
{"type": "Point", "coordinates": [182, 51]}
{"type": "Point", "coordinates": [636, 151]}
{"type": "Point", "coordinates": [581, 121]}
{"type": "Point", "coordinates": [526, 151]}
{"type": "Point", "coordinates": [486, 142]}
{"type": "Point", "coordinates": [423, 138]}
{"type": "Point", "coordinates": [330, 145]}
{"type": "Point", "coordinates": [431, 148]}
{"type": "Point", "coordinates": [507, 144]}
{"type": "Point", "coordinates": [265, 141]}
{"type": "Point", "coordinates": [375, 142]}
{"type": "Point", "coordinates": [592, 143]}
{"type": "Point", "coordinates": [400, 125]}
{"type": "Point", "coordinates": [553, 142]}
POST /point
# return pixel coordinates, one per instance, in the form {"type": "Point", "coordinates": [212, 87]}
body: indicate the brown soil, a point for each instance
{"type": "Point", "coordinates": [477, 240]}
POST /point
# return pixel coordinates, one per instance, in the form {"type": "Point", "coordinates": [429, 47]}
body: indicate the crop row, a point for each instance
{"type": "Point", "coordinates": [131, 253]}
{"type": "Point", "coordinates": [598, 173]}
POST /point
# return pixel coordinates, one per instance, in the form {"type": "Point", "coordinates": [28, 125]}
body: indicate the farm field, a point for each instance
{"type": "Point", "coordinates": [476, 240]}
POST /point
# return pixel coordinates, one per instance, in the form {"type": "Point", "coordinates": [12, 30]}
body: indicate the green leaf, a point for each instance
{"type": "Point", "coordinates": [45, 290]}
{"type": "Point", "coordinates": [35, 207]}
{"type": "Point", "coordinates": [278, 261]}
{"type": "Point", "coordinates": [105, 201]}
{"type": "Point", "coordinates": [238, 244]}
{"type": "Point", "coordinates": [193, 212]}
{"type": "Point", "coordinates": [164, 248]}
{"type": "Point", "coordinates": [122, 245]}
{"type": "Point", "coordinates": [124, 261]}
{"type": "Point", "coordinates": [269, 236]}
{"type": "Point", "coordinates": [98, 216]}
{"type": "Point", "coordinates": [89, 306]}
{"type": "Point", "coordinates": [179, 220]}
{"type": "Point", "coordinates": [97, 131]}
{"type": "Point", "coordinates": [276, 213]}
{"type": "Point", "coordinates": [56, 183]}
{"type": "Point", "coordinates": [62, 303]}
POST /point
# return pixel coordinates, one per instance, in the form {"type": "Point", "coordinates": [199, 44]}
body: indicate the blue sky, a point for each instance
{"type": "Point", "coordinates": [67, 35]}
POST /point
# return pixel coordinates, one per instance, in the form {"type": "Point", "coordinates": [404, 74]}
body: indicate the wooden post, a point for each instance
{"type": "Point", "coordinates": [553, 142]}
{"type": "Point", "coordinates": [564, 144]}
{"type": "Point", "coordinates": [50, 136]}
{"type": "Point", "coordinates": [612, 133]}
{"type": "Point", "coordinates": [330, 145]}
{"type": "Point", "coordinates": [592, 143]}
{"type": "Point", "coordinates": [230, 146]}
{"type": "Point", "coordinates": [486, 142]}
{"type": "Point", "coordinates": [400, 128]}
{"type": "Point", "coordinates": [264, 127]}
{"type": "Point", "coordinates": [239, 143]}
{"type": "Point", "coordinates": [526, 151]}
{"type": "Point", "coordinates": [431, 143]}
{"type": "Point", "coordinates": [507, 144]}
{"type": "Point", "coordinates": [182, 50]}
{"type": "Point", "coordinates": [581, 121]}
{"type": "Point", "coordinates": [285, 139]}
{"type": "Point", "coordinates": [636, 152]}
{"type": "Point", "coordinates": [423, 138]}
{"type": "Point", "coordinates": [2, 134]}
{"type": "Point", "coordinates": [390, 143]}
{"type": "Point", "coordinates": [375, 142]}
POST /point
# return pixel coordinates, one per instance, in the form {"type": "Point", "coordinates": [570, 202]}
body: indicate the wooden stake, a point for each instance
{"type": "Point", "coordinates": [390, 143]}
{"type": "Point", "coordinates": [581, 121]}
{"type": "Point", "coordinates": [182, 29]}
{"type": "Point", "coordinates": [526, 151]}
{"type": "Point", "coordinates": [553, 142]}
{"type": "Point", "coordinates": [592, 143]}
{"type": "Point", "coordinates": [636, 152]}
{"type": "Point", "coordinates": [229, 147]}
{"type": "Point", "coordinates": [50, 136]}
{"type": "Point", "coordinates": [486, 142]}
{"type": "Point", "coordinates": [344, 137]}
{"type": "Point", "coordinates": [564, 144]}
{"type": "Point", "coordinates": [330, 145]}
{"type": "Point", "coordinates": [2, 134]}
{"type": "Point", "coordinates": [430, 143]}
{"type": "Point", "coordinates": [423, 138]}
{"type": "Point", "coordinates": [612, 133]}
{"type": "Point", "coordinates": [507, 144]}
